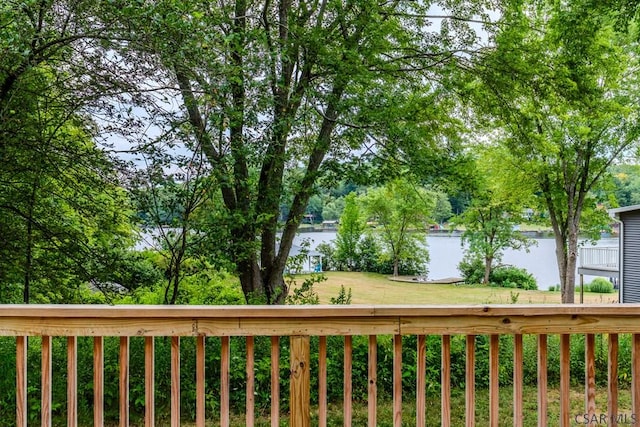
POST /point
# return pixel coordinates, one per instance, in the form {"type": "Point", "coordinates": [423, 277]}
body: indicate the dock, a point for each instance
{"type": "Point", "coordinates": [427, 281]}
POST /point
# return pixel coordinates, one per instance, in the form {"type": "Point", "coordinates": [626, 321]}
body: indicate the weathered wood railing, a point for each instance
{"type": "Point", "coordinates": [299, 323]}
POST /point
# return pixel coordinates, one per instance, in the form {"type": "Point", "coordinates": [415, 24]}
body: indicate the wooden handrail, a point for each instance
{"type": "Point", "coordinates": [301, 322]}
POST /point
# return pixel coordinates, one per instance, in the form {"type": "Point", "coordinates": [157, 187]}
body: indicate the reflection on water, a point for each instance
{"type": "Point", "coordinates": [446, 253]}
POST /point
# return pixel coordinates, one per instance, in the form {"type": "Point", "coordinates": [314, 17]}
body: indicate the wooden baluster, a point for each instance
{"type": "Point", "coordinates": [612, 377]}
{"type": "Point", "coordinates": [175, 381]}
{"type": "Point", "coordinates": [322, 381]}
{"type": "Point", "coordinates": [124, 382]}
{"type": "Point", "coordinates": [397, 381]}
{"type": "Point", "coordinates": [590, 375]}
{"type": "Point", "coordinates": [275, 381]}
{"type": "Point", "coordinates": [200, 381]}
{"type": "Point", "coordinates": [494, 380]}
{"type": "Point", "coordinates": [635, 375]}
{"type": "Point", "coordinates": [421, 381]}
{"type": "Point", "coordinates": [300, 390]}
{"type": "Point", "coordinates": [470, 381]}
{"type": "Point", "coordinates": [149, 382]}
{"type": "Point", "coordinates": [518, 380]}
{"type": "Point", "coordinates": [565, 376]}
{"type": "Point", "coordinates": [72, 382]}
{"type": "Point", "coordinates": [347, 392]}
{"type": "Point", "coordinates": [445, 398]}
{"type": "Point", "coordinates": [225, 389]}
{"type": "Point", "coordinates": [46, 382]}
{"type": "Point", "coordinates": [542, 380]}
{"type": "Point", "coordinates": [372, 388]}
{"type": "Point", "coordinates": [21, 381]}
{"type": "Point", "coordinates": [98, 381]}
{"type": "Point", "coordinates": [251, 381]}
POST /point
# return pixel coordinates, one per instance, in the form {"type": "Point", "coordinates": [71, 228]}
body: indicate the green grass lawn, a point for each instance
{"type": "Point", "coordinates": [371, 288]}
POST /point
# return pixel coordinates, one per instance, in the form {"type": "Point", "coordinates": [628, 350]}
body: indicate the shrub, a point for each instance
{"type": "Point", "coordinates": [601, 285]}
{"type": "Point", "coordinates": [472, 270]}
{"type": "Point", "coordinates": [513, 277]}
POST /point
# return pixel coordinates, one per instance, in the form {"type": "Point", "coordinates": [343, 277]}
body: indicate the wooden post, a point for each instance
{"type": "Point", "coordinates": [397, 380]}
{"type": "Point", "coordinates": [200, 378]}
{"type": "Point", "coordinates": [21, 381]}
{"type": "Point", "coordinates": [149, 382]}
{"type": "Point", "coordinates": [46, 382]}
{"type": "Point", "coordinates": [421, 382]}
{"type": "Point", "coordinates": [635, 374]}
{"type": "Point", "coordinates": [175, 381]}
{"type": "Point", "coordinates": [542, 380]}
{"type": "Point", "coordinates": [347, 393]}
{"type": "Point", "coordinates": [590, 375]}
{"type": "Point", "coordinates": [300, 386]}
{"type": "Point", "coordinates": [72, 381]}
{"type": "Point", "coordinates": [275, 381]}
{"type": "Point", "coordinates": [565, 390]}
{"type": "Point", "coordinates": [124, 382]}
{"type": "Point", "coordinates": [470, 381]}
{"type": "Point", "coordinates": [445, 381]}
{"type": "Point", "coordinates": [322, 381]}
{"type": "Point", "coordinates": [225, 381]}
{"type": "Point", "coordinates": [251, 383]}
{"type": "Point", "coordinates": [612, 377]}
{"type": "Point", "coordinates": [372, 389]}
{"type": "Point", "coordinates": [494, 380]}
{"type": "Point", "coordinates": [98, 381]}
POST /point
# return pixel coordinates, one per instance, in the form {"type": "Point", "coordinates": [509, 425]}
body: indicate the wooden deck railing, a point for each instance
{"type": "Point", "coordinates": [299, 323]}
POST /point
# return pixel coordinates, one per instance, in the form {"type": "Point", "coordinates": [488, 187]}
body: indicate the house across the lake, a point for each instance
{"type": "Point", "coordinates": [302, 260]}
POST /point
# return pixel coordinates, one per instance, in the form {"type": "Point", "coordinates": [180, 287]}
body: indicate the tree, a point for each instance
{"type": "Point", "coordinates": [402, 211]}
{"type": "Point", "coordinates": [560, 81]}
{"type": "Point", "coordinates": [490, 222]}
{"type": "Point", "coordinates": [350, 231]}
{"type": "Point", "coordinates": [290, 84]}
{"type": "Point", "coordinates": [59, 200]}
{"type": "Point", "coordinates": [170, 204]}
{"type": "Point", "coordinates": [442, 211]}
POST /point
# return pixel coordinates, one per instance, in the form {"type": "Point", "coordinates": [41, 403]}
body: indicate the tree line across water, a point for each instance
{"type": "Point", "coordinates": [228, 122]}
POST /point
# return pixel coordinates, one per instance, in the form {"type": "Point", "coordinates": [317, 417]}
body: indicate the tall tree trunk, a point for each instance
{"type": "Point", "coordinates": [28, 261]}
{"type": "Point", "coordinates": [572, 256]}
{"type": "Point", "coordinates": [561, 257]}
{"type": "Point", "coordinates": [488, 262]}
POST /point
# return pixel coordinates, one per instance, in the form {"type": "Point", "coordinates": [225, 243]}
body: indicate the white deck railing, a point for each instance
{"type": "Point", "coordinates": [599, 257]}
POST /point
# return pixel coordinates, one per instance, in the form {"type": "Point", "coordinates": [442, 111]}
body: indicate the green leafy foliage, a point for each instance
{"type": "Point", "coordinates": [343, 298]}
{"type": "Point", "coordinates": [560, 87]}
{"type": "Point", "coordinates": [472, 271]}
{"type": "Point", "coordinates": [350, 231]}
{"type": "Point", "coordinates": [513, 277]}
{"type": "Point", "coordinates": [601, 285]}
{"type": "Point", "coordinates": [402, 212]}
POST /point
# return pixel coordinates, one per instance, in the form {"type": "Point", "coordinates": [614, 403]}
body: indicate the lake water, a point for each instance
{"type": "Point", "coordinates": [446, 253]}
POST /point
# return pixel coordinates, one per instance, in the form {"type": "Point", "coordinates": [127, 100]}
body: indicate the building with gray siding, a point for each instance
{"type": "Point", "coordinates": [629, 252]}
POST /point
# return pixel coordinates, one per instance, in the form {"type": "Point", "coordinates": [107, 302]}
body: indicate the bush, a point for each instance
{"type": "Point", "coordinates": [472, 270]}
{"type": "Point", "coordinates": [601, 285]}
{"type": "Point", "coordinates": [513, 277]}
